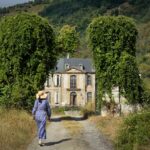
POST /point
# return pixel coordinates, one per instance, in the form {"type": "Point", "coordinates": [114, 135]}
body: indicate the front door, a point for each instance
{"type": "Point", "coordinates": [73, 97]}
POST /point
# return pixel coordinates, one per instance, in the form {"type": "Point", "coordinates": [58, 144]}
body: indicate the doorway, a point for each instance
{"type": "Point", "coordinates": [73, 99]}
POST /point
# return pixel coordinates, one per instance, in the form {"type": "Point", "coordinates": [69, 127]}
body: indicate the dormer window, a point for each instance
{"type": "Point", "coordinates": [66, 66]}
{"type": "Point", "coordinates": [81, 66]}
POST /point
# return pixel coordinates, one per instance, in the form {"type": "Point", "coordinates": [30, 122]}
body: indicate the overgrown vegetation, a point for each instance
{"type": "Point", "coordinates": [127, 133]}
{"type": "Point", "coordinates": [112, 40]}
{"type": "Point", "coordinates": [61, 110]}
{"type": "Point", "coordinates": [27, 51]}
{"type": "Point", "coordinates": [88, 110]}
{"type": "Point", "coordinates": [135, 132]}
{"type": "Point", "coordinates": [17, 129]}
{"type": "Point", "coordinates": [108, 125]}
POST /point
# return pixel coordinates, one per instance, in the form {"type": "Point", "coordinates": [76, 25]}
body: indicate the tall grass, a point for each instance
{"type": "Point", "coordinates": [108, 125]}
{"type": "Point", "coordinates": [88, 110]}
{"type": "Point", "coordinates": [17, 129]}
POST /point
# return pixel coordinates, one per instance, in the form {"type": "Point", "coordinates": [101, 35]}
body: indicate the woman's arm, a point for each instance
{"type": "Point", "coordinates": [48, 109]}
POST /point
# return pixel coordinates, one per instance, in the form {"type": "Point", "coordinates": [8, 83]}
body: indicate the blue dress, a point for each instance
{"type": "Point", "coordinates": [41, 110]}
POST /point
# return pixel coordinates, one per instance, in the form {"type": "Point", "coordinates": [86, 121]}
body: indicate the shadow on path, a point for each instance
{"type": "Point", "coordinates": [58, 119]}
{"type": "Point", "coordinates": [57, 142]}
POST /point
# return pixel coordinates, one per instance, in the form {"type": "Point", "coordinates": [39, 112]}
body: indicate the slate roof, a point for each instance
{"type": "Point", "coordinates": [74, 63]}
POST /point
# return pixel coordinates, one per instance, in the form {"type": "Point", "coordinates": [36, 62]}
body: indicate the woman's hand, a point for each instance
{"type": "Point", "coordinates": [33, 117]}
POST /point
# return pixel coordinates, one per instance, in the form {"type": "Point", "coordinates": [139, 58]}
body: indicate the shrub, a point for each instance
{"type": "Point", "coordinates": [135, 132]}
{"type": "Point", "coordinates": [62, 109]}
{"type": "Point", "coordinates": [88, 110]}
{"type": "Point", "coordinates": [27, 51]}
{"type": "Point", "coordinates": [112, 40]}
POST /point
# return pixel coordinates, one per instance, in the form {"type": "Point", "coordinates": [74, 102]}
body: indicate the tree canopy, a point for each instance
{"type": "Point", "coordinates": [68, 39]}
{"type": "Point", "coordinates": [27, 52]}
{"type": "Point", "coordinates": [113, 40]}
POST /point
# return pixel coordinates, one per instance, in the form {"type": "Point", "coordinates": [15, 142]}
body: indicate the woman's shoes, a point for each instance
{"type": "Point", "coordinates": [41, 143]}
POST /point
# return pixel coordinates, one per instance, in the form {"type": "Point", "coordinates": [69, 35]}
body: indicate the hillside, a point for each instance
{"type": "Point", "coordinates": [80, 13]}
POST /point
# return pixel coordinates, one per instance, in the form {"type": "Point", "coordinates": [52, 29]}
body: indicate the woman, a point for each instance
{"type": "Point", "coordinates": [40, 111]}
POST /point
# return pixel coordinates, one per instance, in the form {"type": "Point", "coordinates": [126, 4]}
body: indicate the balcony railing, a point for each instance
{"type": "Point", "coordinates": [73, 89]}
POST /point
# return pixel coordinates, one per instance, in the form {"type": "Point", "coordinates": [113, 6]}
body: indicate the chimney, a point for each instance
{"type": "Point", "coordinates": [68, 56]}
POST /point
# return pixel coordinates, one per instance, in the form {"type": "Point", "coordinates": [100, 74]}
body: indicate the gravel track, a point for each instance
{"type": "Point", "coordinates": [58, 138]}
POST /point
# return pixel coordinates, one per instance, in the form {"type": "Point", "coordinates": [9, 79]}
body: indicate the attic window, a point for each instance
{"type": "Point", "coordinates": [66, 66]}
{"type": "Point", "coordinates": [81, 66]}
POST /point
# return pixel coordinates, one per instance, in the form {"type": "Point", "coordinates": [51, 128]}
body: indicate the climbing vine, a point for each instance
{"type": "Point", "coordinates": [112, 40]}
{"type": "Point", "coordinates": [27, 51]}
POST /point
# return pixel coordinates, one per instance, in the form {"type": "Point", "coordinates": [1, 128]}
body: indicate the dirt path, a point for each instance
{"type": "Point", "coordinates": [59, 138]}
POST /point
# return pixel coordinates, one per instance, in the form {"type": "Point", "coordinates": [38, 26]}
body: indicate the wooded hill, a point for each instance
{"type": "Point", "coordinates": [79, 13]}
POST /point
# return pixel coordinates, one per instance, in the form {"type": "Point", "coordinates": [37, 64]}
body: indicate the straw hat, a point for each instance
{"type": "Point", "coordinates": [41, 95]}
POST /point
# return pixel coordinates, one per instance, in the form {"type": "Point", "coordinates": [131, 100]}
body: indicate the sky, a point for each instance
{"type": "Point", "coordinates": [5, 3]}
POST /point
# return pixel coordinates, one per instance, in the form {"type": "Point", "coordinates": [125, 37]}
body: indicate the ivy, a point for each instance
{"type": "Point", "coordinates": [112, 40]}
{"type": "Point", "coordinates": [27, 52]}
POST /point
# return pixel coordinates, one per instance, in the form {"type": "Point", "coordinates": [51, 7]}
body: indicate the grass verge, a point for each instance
{"type": "Point", "coordinates": [17, 129]}
{"type": "Point", "coordinates": [127, 133]}
{"type": "Point", "coordinates": [108, 125]}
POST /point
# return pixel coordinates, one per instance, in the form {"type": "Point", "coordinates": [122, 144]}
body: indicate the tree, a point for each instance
{"type": "Point", "coordinates": [113, 40]}
{"type": "Point", "coordinates": [27, 51]}
{"type": "Point", "coordinates": [68, 39]}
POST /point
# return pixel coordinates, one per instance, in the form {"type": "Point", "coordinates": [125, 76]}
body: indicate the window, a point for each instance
{"type": "Point", "coordinates": [89, 96]}
{"type": "Point", "coordinates": [66, 66]}
{"type": "Point", "coordinates": [73, 82]}
{"type": "Point", "coordinates": [81, 66]}
{"type": "Point", "coordinates": [57, 80]}
{"type": "Point", "coordinates": [89, 80]}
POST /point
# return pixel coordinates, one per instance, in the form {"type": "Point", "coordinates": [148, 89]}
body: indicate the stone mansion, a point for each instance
{"type": "Point", "coordinates": [72, 83]}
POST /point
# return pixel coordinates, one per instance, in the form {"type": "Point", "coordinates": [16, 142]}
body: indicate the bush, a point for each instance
{"type": "Point", "coordinates": [135, 132]}
{"type": "Point", "coordinates": [27, 51]}
{"type": "Point", "coordinates": [62, 109]}
{"type": "Point", "coordinates": [88, 110]}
